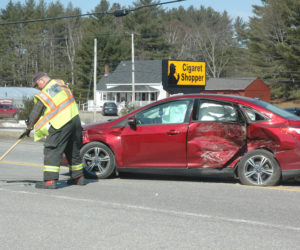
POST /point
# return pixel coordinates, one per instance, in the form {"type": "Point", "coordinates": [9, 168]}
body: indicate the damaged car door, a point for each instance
{"type": "Point", "coordinates": [157, 139]}
{"type": "Point", "coordinates": [216, 136]}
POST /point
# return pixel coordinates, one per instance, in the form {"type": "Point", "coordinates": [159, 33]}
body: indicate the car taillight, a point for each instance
{"type": "Point", "coordinates": [84, 135]}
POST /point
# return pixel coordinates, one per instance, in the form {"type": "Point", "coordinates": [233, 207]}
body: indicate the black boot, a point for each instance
{"type": "Point", "coordinates": [77, 181]}
{"type": "Point", "coordinates": [51, 184]}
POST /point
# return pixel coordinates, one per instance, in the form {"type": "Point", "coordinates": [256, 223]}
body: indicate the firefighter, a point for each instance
{"type": "Point", "coordinates": [55, 115]}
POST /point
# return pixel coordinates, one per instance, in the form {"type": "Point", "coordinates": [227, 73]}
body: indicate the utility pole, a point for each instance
{"type": "Point", "coordinates": [132, 68]}
{"type": "Point", "coordinates": [95, 76]}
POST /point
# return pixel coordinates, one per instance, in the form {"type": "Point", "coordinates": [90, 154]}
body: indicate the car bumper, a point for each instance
{"type": "Point", "coordinates": [110, 112]}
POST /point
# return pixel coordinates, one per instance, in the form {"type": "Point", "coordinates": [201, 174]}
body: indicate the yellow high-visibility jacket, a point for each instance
{"type": "Point", "coordinates": [60, 107]}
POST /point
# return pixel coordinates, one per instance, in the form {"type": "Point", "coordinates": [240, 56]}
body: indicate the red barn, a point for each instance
{"type": "Point", "coordinates": [250, 87]}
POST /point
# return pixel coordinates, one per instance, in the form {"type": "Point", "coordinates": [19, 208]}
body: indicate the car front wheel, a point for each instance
{"type": "Point", "coordinates": [259, 168]}
{"type": "Point", "coordinates": [98, 160]}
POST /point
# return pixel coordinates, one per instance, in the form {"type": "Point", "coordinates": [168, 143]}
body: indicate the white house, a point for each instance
{"type": "Point", "coordinates": [117, 86]}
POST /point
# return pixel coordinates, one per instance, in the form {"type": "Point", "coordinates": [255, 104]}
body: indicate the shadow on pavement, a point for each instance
{"type": "Point", "coordinates": [60, 183]}
{"type": "Point", "coordinates": [216, 178]}
{"type": "Point", "coordinates": [176, 177]}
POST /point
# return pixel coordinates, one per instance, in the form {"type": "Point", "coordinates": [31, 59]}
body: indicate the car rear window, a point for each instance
{"type": "Point", "coordinates": [111, 105]}
{"type": "Point", "coordinates": [278, 111]}
{"type": "Point", "coordinates": [253, 115]}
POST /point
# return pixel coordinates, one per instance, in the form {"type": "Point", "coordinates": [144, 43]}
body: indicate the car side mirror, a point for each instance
{"type": "Point", "coordinates": [132, 122]}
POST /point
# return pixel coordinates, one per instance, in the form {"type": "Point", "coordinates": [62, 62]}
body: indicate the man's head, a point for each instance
{"type": "Point", "coordinates": [172, 68]}
{"type": "Point", "coordinates": [40, 79]}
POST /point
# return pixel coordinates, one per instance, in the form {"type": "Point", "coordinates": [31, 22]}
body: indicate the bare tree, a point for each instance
{"type": "Point", "coordinates": [179, 37]}
{"type": "Point", "coordinates": [214, 40]}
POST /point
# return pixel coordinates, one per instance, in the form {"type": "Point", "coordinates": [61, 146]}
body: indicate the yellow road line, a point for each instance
{"type": "Point", "coordinates": [277, 188]}
{"type": "Point", "coordinates": [25, 164]}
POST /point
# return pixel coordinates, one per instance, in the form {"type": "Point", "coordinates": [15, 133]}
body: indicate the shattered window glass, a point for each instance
{"type": "Point", "coordinates": [253, 115]}
{"type": "Point", "coordinates": [209, 111]}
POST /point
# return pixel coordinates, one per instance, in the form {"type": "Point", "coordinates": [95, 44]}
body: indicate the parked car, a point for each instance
{"type": "Point", "coordinates": [295, 111]}
{"type": "Point", "coordinates": [109, 108]}
{"type": "Point", "coordinates": [256, 142]}
{"type": "Point", "coordinates": [9, 111]}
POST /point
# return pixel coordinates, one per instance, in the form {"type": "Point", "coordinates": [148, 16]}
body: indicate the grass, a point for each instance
{"type": "Point", "coordinates": [286, 103]}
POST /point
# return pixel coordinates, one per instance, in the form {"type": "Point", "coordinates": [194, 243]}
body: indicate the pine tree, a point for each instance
{"type": "Point", "coordinates": [147, 24]}
{"type": "Point", "coordinates": [113, 45]}
{"type": "Point", "coordinates": [9, 39]}
{"type": "Point", "coordinates": [274, 44]}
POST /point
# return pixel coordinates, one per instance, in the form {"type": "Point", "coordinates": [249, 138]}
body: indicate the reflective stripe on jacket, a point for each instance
{"type": "Point", "coordinates": [60, 107]}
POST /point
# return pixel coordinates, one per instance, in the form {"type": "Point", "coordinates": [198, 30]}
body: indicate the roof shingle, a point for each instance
{"type": "Point", "coordinates": [228, 83]}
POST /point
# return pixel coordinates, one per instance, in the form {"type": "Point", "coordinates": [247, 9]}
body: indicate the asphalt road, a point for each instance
{"type": "Point", "coordinates": [140, 211]}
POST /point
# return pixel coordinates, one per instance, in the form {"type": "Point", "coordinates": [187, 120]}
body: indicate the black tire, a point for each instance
{"type": "Point", "coordinates": [259, 168]}
{"type": "Point", "coordinates": [98, 160]}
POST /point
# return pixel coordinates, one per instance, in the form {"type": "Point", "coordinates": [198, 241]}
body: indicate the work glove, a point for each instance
{"type": "Point", "coordinates": [26, 132]}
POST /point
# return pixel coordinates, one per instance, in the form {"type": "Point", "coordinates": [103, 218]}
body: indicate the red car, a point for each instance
{"type": "Point", "coordinates": [253, 140]}
{"type": "Point", "coordinates": [10, 111]}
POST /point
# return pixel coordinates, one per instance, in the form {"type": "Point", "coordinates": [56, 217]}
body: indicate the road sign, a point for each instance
{"type": "Point", "coordinates": [183, 76]}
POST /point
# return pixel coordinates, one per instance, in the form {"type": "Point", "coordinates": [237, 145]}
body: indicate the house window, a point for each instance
{"type": "Point", "coordinates": [153, 97]}
{"type": "Point", "coordinates": [143, 96]}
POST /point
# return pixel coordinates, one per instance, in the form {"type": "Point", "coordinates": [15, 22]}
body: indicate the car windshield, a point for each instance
{"type": "Point", "coordinates": [110, 105]}
{"type": "Point", "coordinates": [278, 111]}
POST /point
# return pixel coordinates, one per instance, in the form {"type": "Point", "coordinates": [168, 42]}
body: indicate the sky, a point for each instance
{"type": "Point", "coordinates": [242, 8]}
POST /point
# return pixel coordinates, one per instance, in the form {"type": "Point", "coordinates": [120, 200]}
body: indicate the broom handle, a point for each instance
{"type": "Point", "coordinates": [10, 149]}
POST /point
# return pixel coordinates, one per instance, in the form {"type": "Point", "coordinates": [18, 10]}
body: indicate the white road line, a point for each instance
{"type": "Point", "coordinates": [161, 211]}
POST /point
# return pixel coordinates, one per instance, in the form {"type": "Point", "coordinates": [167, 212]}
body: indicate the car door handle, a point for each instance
{"type": "Point", "coordinates": [173, 132]}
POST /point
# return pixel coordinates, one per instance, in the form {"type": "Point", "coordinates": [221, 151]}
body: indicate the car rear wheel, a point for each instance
{"type": "Point", "coordinates": [259, 168]}
{"type": "Point", "coordinates": [98, 160]}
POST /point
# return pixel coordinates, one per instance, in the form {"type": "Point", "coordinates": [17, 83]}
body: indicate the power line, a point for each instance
{"type": "Point", "coordinates": [116, 13]}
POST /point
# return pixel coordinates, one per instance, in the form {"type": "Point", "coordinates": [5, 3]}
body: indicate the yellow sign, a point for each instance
{"type": "Point", "coordinates": [186, 73]}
